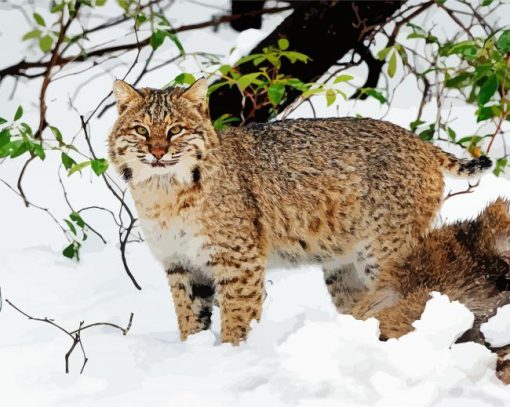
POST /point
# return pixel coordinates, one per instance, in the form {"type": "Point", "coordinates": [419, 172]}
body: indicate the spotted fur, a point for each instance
{"type": "Point", "coordinates": [469, 261]}
{"type": "Point", "coordinates": [346, 193]}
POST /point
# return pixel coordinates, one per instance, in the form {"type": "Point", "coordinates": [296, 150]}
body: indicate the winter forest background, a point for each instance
{"type": "Point", "coordinates": [71, 253]}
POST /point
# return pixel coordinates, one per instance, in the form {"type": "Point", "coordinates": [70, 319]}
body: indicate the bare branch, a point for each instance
{"type": "Point", "coordinates": [124, 206]}
{"type": "Point", "coordinates": [74, 335]}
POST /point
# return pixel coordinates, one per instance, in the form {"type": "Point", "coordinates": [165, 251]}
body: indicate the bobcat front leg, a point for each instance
{"type": "Point", "coordinates": [240, 289]}
{"type": "Point", "coordinates": [193, 297]}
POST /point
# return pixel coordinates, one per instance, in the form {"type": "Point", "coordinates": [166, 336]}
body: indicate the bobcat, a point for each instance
{"type": "Point", "coordinates": [215, 208]}
{"type": "Point", "coordinates": [469, 261]}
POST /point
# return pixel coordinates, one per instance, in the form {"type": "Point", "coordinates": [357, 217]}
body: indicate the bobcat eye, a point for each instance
{"type": "Point", "coordinates": [142, 131]}
{"type": "Point", "coordinates": [174, 130]}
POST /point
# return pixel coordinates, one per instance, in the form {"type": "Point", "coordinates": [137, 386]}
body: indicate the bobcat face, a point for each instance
{"type": "Point", "coordinates": [160, 133]}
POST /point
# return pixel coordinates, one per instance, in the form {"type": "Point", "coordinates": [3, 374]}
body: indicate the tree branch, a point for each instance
{"type": "Point", "coordinates": [74, 335]}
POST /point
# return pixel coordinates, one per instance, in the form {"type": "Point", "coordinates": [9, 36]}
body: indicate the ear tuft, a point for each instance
{"type": "Point", "coordinates": [197, 92]}
{"type": "Point", "coordinates": [124, 94]}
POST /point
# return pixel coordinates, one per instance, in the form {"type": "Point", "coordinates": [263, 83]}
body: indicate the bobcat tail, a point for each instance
{"type": "Point", "coordinates": [463, 168]}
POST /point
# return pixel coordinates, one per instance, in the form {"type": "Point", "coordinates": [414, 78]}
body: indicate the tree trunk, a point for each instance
{"type": "Point", "coordinates": [323, 30]}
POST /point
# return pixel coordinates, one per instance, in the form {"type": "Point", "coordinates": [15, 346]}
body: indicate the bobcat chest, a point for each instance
{"type": "Point", "coordinates": [177, 241]}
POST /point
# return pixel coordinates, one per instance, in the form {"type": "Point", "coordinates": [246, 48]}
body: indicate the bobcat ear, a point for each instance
{"type": "Point", "coordinates": [124, 94]}
{"type": "Point", "coordinates": [197, 92]}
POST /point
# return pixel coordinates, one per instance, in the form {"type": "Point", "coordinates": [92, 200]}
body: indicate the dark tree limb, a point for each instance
{"type": "Point", "coordinates": [248, 21]}
{"type": "Point", "coordinates": [323, 30]}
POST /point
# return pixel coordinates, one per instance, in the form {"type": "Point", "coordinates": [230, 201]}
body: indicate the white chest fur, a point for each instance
{"type": "Point", "coordinates": [177, 242]}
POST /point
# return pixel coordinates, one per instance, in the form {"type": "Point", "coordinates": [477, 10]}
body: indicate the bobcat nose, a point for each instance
{"type": "Point", "coordinates": [158, 152]}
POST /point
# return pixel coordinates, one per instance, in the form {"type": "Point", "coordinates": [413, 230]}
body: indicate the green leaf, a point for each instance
{"type": "Point", "coordinates": [275, 93]}
{"type": "Point", "coordinates": [176, 41]}
{"type": "Point", "coordinates": [312, 91]}
{"type": "Point", "coordinates": [19, 113]}
{"type": "Point", "coordinates": [415, 124]}
{"type": "Point", "coordinates": [487, 2]}
{"type": "Point", "coordinates": [297, 84]}
{"type": "Point", "coordinates": [71, 251]}
{"type": "Point", "coordinates": [99, 166]}
{"type": "Point", "coordinates": [100, 3]}
{"type": "Point", "coordinates": [382, 54]}
{"type": "Point", "coordinates": [123, 4]}
{"type": "Point", "coordinates": [283, 43]}
{"type": "Point", "coordinates": [427, 134]}
{"type": "Point", "coordinates": [58, 135]}
{"type": "Point", "coordinates": [451, 134]}
{"type": "Point", "coordinates": [487, 112]}
{"type": "Point", "coordinates": [294, 56]}
{"type": "Point", "coordinates": [39, 20]}
{"type": "Point", "coordinates": [246, 58]}
{"type": "Point", "coordinates": [374, 93]}
{"type": "Point", "coordinates": [221, 122]}
{"type": "Point", "coordinates": [78, 167]}
{"type": "Point", "coordinates": [75, 216]}
{"type": "Point", "coordinates": [216, 86]}
{"type": "Point", "coordinates": [471, 140]}
{"type": "Point", "coordinates": [157, 39]}
{"type": "Point", "coordinates": [416, 35]}
{"type": "Point", "coordinates": [224, 69]}
{"type": "Point", "coordinates": [10, 147]}
{"type": "Point", "coordinates": [184, 79]}
{"type": "Point", "coordinates": [25, 130]}
{"type": "Point", "coordinates": [2, 121]}
{"type": "Point", "coordinates": [67, 161]}
{"type": "Point", "coordinates": [31, 34]}
{"type": "Point", "coordinates": [45, 43]}
{"type": "Point", "coordinates": [503, 42]}
{"type": "Point", "coordinates": [330, 97]}
{"type": "Point", "coordinates": [246, 80]}
{"type": "Point", "coordinates": [458, 81]}
{"type": "Point", "coordinates": [257, 61]}
{"type": "Point", "coordinates": [38, 150]}
{"type": "Point", "coordinates": [58, 7]}
{"type": "Point", "coordinates": [501, 164]}
{"type": "Point", "coordinates": [488, 89]}
{"type": "Point", "coordinates": [343, 78]}
{"type": "Point", "coordinates": [5, 137]}
{"type": "Point", "coordinates": [392, 65]}
{"type": "Point", "coordinates": [275, 61]}
{"type": "Point", "coordinates": [467, 49]}
{"type": "Point", "coordinates": [21, 149]}
{"type": "Point", "coordinates": [139, 20]}
{"type": "Point", "coordinates": [70, 226]}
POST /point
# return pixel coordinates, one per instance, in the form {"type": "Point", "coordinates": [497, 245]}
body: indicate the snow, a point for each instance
{"type": "Point", "coordinates": [497, 329]}
{"type": "Point", "coordinates": [246, 41]}
{"type": "Point", "coordinates": [302, 353]}
{"type": "Point", "coordinates": [442, 323]}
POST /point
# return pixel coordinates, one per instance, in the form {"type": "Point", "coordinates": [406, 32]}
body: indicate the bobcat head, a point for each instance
{"type": "Point", "coordinates": [160, 133]}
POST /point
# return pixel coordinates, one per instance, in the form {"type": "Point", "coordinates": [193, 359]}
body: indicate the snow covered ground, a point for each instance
{"type": "Point", "coordinates": [301, 354]}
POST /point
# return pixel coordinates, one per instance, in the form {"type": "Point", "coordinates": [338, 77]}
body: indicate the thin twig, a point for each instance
{"type": "Point", "coordinates": [124, 206]}
{"type": "Point", "coordinates": [21, 67]}
{"type": "Point", "coordinates": [20, 179]}
{"type": "Point", "coordinates": [468, 190]}
{"type": "Point", "coordinates": [74, 335]}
